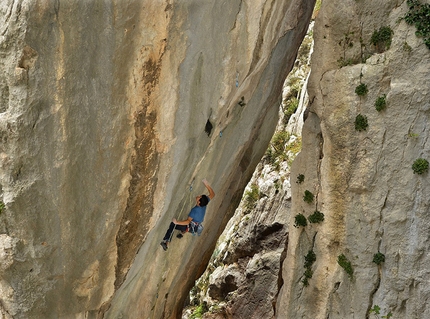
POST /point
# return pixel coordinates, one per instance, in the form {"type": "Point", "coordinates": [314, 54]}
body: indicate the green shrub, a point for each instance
{"type": "Point", "coordinates": [310, 258]}
{"type": "Point", "coordinates": [378, 258]}
{"type": "Point", "coordinates": [345, 264]}
{"type": "Point", "coordinates": [294, 147]}
{"type": "Point", "coordinates": [251, 197]}
{"type": "Point", "coordinates": [276, 150]}
{"type": "Point", "coordinates": [376, 310]}
{"type": "Point", "coordinates": [316, 217]}
{"type": "Point", "coordinates": [308, 275]}
{"type": "Point", "coordinates": [361, 123]}
{"type": "Point", "coordinates": [199, 311]}
{"type": "Point", "coordinates": [361, 89]}
{"type": "Point", "coordinates": [380, 103]}
{"type": "Point", "coordinates": [308, 197]}
{"type": "Point", "coordinates": [381, 39]}
{"type": "Point", "coordinates": [291, 106]}
{"type": "Point", "coordinates": [420, 166]}
{"type": "Point", "coordinates": [300, 178]}
{"type": "Point", "coordinates": [419, 15]}
{"type": "Point", "coordinates": [300, 220]}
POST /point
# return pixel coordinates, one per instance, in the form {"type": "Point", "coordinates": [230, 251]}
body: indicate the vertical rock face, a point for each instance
{"type": "Point", "coordinates": [103, 113]}
{"type": "Point", "coordinates": [363, 181]}
{"type": "Point", "coordinates": [243, 277]}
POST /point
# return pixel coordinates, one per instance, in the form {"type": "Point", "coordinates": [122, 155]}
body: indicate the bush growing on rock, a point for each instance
{"type": "Point", "coordinates": [420, 166]}
{"type": "Point", "coordinates": [380, 103]}
{"type": "Point", "coordinates": [419, 15]}
{"type": "Point", "coordinates": [276, 151]}
{"type": "Point", "coordinates": [300, 178]}
{"type": "Point", "coordinates": [310, 258]}
{"type": "Point", "coordinates": [361, 89]}
{"type": "Point", "coordinates": [376, 310]}
{"type": "Point", "coordinates": [381, 39]}
{"type": "Point", "coordinates": [308, 197]}
{"type": "Point", "coordinates": [316, 217]}
{"type": "Point", "coordinates": [199, 311]}
{"type": "Point", "coordinates": [361, 123]}
{"type": "Point", "coordinates": [345, 264]}
{"type": "Point", "coordinates": [378, 258]}
{"type": "Point", "coordinates": [300, 220]}
{"type": "Point", "coordinates": [251, 197]}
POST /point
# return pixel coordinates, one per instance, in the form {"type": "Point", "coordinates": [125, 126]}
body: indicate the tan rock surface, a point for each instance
{"type": "Point", "coordinates": [103, 111]}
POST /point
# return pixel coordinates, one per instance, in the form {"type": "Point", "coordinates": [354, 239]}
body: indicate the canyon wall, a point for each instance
{"type": "Point", "coordinates": [372, 248]}
{"type": "Point", "coordinates": [111, 114]}
{"type": "Point", "coordinates": [243, 277]}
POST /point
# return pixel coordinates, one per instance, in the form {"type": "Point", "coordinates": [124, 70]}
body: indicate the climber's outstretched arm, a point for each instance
{"type": "Point", "coordinates": [209, 188]}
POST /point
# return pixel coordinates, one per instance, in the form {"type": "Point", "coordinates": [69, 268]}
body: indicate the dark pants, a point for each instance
{"type": "Point", "coordinates": [172, 227]}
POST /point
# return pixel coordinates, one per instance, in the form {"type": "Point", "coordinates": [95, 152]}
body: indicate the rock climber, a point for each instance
{"type": "Point", "coordinates": [195, 217]}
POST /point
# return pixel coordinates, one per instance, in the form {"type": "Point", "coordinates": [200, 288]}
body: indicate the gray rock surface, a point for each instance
{"type": "Point", "coordinates": [102, 121]}
{"type": "Point", "coordinates": [363, 181]}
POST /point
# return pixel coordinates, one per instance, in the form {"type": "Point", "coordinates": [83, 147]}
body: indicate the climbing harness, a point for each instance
{"type": "Point", "coordinates": [195, 228]}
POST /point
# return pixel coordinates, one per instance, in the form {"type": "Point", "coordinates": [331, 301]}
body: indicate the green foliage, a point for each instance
{"type": "Point", "coordinates": [300, 220]}
{"type": "Point", "coordinates": [280, 150]}
{"type": "Point", "coordinates": [276, 150]}
{"type": "Point", "coordinates": [279, 140]}
{"type": "Point", "coordinates": [381, 39]}
{"type": "Point", "coordinates": [419, 15]}
{"type": "Point", "coordinates": [292, 149]}
{"type": "Point", "coordinates": [308, 197]}
{"type": "Point", "coordinates": [199, 311]}
{"type": "Point", "coordinates": [361, 89]}
{"type": "Point", "coordinates": [252, 196]}
{"type": "Point", "coordinates": [380, 103]}
{"type": "Point", "coordinates": [317, 6]}
{"type": "Point", "coordinates": [307, 275]}
{"type": "Point", "coordinates": [300, 178]}
{"type": "Point", "coordinates": [420, 166]}
{"type": "Point", "coordinates": [310, 258]}
{"type": "Point", "coordinates": [378, 258]}
{"type": "Point", "coordinates": [2, 207]}
{"type": "Point", "coordinates": [361, 123]}
{"type": "Point", "coordinates": [316, 217]}
{"type": "Point", "coordinates": [291, 106]}
{"type": "Point", "coordinates": [345, 264]}
{"type": "Point", "coordinates": [376, 310]}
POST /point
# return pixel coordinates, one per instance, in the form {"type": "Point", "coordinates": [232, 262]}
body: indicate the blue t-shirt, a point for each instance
{"type": "Point", "coordinates": [197, 213]}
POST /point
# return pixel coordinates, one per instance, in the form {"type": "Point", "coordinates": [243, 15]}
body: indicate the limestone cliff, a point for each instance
{"type": "Point", "coordinates": [103, 113]}
{"type": "Point", "coordinates": [244, 274]}
{"type": "Point", "coordinates": [372, 248]}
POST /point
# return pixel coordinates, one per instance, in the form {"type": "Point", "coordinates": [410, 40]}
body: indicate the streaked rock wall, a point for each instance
{"type": "Point", "coordinates": [363, 181]}
{"type": "Point", "coordinates": [103, 112]}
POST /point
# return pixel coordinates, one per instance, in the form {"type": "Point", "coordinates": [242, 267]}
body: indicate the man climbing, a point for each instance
{"type": "Point", "coordinates": [195, 217]}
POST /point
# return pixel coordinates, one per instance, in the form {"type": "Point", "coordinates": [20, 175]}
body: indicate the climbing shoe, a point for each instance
{"type": "Point", "coordinates": [164, 245]}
